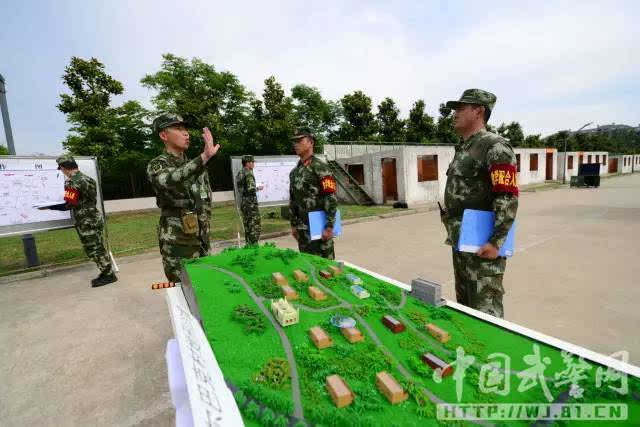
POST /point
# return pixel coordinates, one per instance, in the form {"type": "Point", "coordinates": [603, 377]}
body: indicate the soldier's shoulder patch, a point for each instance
{"type": "Point", "coordinates": [328, 184]}
{"type": "Point", "coordinates": [156, 165]}
{"type": "Point", "coordinates": [503, 178]}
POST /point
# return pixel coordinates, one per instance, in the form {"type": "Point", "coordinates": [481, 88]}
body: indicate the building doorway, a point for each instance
{"type": "Point", "coordinates": [549, 176]}
{"type": "Point", "coordinates": [389, 180]}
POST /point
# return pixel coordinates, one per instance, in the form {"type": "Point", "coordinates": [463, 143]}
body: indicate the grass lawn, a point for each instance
{"type": "Point", "coordinates": [135, 232]}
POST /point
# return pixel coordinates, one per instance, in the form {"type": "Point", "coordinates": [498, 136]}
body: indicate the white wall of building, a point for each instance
{"type": "Point", "coordinates": [528, 176]}
{"type": "Point", "coordinates": [627, 164]}
{"type": "Point", "coordinates": [336, 152]}
{"type": "Point", "coordinates": [636, 162]}
{"type": "Point", "coordinates": [601, 156]}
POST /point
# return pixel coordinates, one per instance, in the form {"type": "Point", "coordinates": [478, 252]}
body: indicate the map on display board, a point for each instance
{"type": "Point", "coordinates": [271, 172]}
{"type": "Point", "coordinates": [28, 183]}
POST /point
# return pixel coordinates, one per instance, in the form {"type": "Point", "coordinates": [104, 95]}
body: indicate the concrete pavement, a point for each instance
{"type": "Point", "coordinates": [73, 355]}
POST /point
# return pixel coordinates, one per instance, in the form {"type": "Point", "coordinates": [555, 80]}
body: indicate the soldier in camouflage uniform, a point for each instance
{"type": "Point", "coordinates": [80, 195]}
{"type": "Point", "coordinates": [247, 190]}
{"type": "Point", "coordinates": [481, 176]}
{"type": "Point", "coordinates": [312, 187]}
{"type": "Point", "coordinates": [182, 193]}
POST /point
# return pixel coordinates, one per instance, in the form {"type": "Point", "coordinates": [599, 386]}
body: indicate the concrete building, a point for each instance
{"type": "Point", "coordinates": [573, 159]}
{"type": "Point", "coordinates": [627, 163]}
{"type": "Point", "coordinates": [417, 174]}
{"type": "Point", "coordinates": [536, 165]}
{"type": "Point", "coordinates": [636, 163]}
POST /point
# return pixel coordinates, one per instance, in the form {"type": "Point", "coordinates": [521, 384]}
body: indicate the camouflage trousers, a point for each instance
{"type": "Point", "coordinates": [315, 247]}
{"type": "Point", "coordinates": [252, 226]}
{"type": "Point", "coordinates": [479, 282]}
{"type": "Point", "coordinates": [90, 234]}
{"type": "Point", "coordinates": [174, 250]}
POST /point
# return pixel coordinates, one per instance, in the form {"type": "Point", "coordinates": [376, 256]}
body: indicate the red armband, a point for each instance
{"type": "Point", "coordinates": [328, 184]}
{"type": "Point", "coordinates": [71, 196]}
{"type": "Point", "coordinates": [503, 178]}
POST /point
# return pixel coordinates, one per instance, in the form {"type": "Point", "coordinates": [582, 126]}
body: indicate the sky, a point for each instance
{"type": "Point", "coordinates": [553, 66]}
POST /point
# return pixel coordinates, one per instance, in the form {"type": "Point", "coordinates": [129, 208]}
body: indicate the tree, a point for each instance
{"type": "Point", "coordinates": [267, 417]}
{"type": "Point", "coordinates": [513, 132]}
{"type": "Point", "coordinates": [278, 118]}
{"type": "Point", "coordinates": [420, 125]}
{"type": "Point", "coordinates": [359, 121]}
{"type": "Point", "coordinates": [117, 136]}
{"type": "Point", "coordinates": [390, 126]}
{"type": "Point", "coordinates": [533, 141]}
{"type": "Point", "coordinates": [445, 132]}
{"type": "Point", "coordinates": [311, 110]}
{"type": "Point", "coordinates": [252, 410]}
{"type": "Point", "coordinates": [4, 151]}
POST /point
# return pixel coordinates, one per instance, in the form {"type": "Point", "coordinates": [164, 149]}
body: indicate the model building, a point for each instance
{"type": "Point", "coordinates": [320, 338]}
{"type": "Point", "coordinates": [439, 334]}
{"type": "Point", "coordinates": [340, 392]}
{"type": "Point", "coordinates": [284, 312]}
{"type": "Point", "coordinates": [279, 279]}
{"type": "Point", "coordinates": [316, 293]}
{"type": "Point", "coordinates": [394, 325]}
{"type": "Point", "coordinates": [353, 335]}
{"type": "Point", "coordinates": [390, 388]}
{"type": "Point", "coordinates": [300, 276]}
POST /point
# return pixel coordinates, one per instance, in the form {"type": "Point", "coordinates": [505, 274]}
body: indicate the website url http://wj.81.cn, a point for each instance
{"type": "Point", "coordinates": [532, 411]}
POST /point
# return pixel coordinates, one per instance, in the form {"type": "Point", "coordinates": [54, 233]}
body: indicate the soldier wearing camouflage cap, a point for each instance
{"type": "Point", "coordinates": [312, 187]}
{"type": "Point", "coordinates": [183, 194]}
{"type": "Point", "coordinates": [80, 196]}
{"type": "Point", "coordinates": [248, 194]}
{"type": "Point", "coordinates": [481, 176]}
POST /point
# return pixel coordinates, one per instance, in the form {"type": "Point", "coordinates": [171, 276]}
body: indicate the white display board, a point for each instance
{"type": "Point", "coordinates": [27, 183]}
{"type": "Point", "coordinates": [211, 401]}
{"type": "Point", "coordinates": [273, 173]}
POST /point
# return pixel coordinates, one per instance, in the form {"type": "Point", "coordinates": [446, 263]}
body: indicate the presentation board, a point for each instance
{"type": "Point", "coordinates": [273, 173]}
{"type": "Point", "coordinates": [27, 183]}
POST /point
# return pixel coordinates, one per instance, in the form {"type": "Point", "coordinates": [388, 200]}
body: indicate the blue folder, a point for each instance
{"type": "Point", "coordinates": [318, 221]}
{"type": "Point", "coordinates": [477, 228]}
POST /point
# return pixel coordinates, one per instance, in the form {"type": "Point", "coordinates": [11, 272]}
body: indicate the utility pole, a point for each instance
{"type": "Point", "coordinates": [28, 241]}
{"type": "Point", "coordinates": [564, 162]}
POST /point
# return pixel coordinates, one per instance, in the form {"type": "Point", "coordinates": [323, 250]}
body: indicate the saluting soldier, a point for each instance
{"type": "Point", "coordinates": [248, 192]}
{"type": "Point", "coordinates": [312, 187]}
{"type": "Point", "coordinates": [182, 193]}
{"type": "Point", "coordinates": [481, 176]}
{"type": "Point", "coordinates": [81, 196]}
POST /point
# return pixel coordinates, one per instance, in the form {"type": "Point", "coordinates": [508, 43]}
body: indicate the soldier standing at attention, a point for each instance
{"type": "Point", "coordinates": [312, 187]}
{"type": "Point", "coordinates": [81, 196]}
{"type": "Point", "coordinates": [481, 176]}
{"type": "Point", "coordinates": [246, 184]}
{"type": "Point", "coordinates": [182, 193]}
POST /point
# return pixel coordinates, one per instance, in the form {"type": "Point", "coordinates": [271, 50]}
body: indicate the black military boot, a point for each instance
{"type": "Point", "coordinates": [100, 276]}
{"type": "Point", "coordinates": [104, 279]}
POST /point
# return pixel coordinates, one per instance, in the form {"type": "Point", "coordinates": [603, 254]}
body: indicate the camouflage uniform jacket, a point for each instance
{"type": "Point", "coordinates": [81, 195]}
{"type": "Point", "coordinates": [182, 185]}
{"type": "Point", "coordinates": [312, 187]}
{"type": "Point", "coordinates": [482, 176]}
{"type": "Point", "coordinates": [247, 190]}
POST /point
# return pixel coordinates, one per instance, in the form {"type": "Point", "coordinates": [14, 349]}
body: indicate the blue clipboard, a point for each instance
{"type": "Point", "coordinates": [477, 228]}
{"type": "Point", "coordinates": [318, 221]}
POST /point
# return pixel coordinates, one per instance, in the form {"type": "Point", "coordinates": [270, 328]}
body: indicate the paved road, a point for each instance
{"type": "Point", "coordinates": [72, 355]}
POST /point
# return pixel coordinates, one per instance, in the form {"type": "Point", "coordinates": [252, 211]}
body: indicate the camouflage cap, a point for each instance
{"type": "Point", "coordinates": [475, 96]}
{"type": "Point", "coordinates": [247, 158]}
{"type": "Point", "coordinates": [166, 120]}
{"type": "Point", "coordinates": [64, 159]}
{"type": "Point", "coordinates": [302, 132]}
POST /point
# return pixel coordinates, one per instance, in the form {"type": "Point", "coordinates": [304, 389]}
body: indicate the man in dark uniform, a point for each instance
{"type": "Point", "coordinates": [248, 192]}
{"type": "Point", "coordinates": [312, 187]}
{"type": "Point", "coordinates": [80, 196]}
{"type": "Point", "coordinates": [182, 193]}
{"type": "Point", "coordinates": [481, 176]}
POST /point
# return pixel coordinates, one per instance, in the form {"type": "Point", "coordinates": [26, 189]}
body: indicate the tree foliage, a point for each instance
{"type": "Point", "coordinates": [391, 127]}
{"type": "Point", "coordinates": [420, 125]}
{"type": "Point", "coordinates": [358, 121]}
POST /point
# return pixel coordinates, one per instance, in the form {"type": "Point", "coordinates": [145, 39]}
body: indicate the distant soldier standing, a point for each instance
{"type": "Point", "coordinates": [182, 193]}
{"type": "Point", "coordinates": [481, 176]}
{"type": "Point", "coordinates": [248, 192]}
{"type": "Point", "coordinates": [81, 196]}
{"type": "Point", "coordinates": [312, 187]}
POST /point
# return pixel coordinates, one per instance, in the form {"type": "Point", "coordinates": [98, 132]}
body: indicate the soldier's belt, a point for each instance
{"type": "Point", "coordinates": [175, 212]}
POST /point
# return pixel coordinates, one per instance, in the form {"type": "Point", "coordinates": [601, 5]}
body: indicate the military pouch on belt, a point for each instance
{"type": "Point", "coordinates": [189, 222]}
